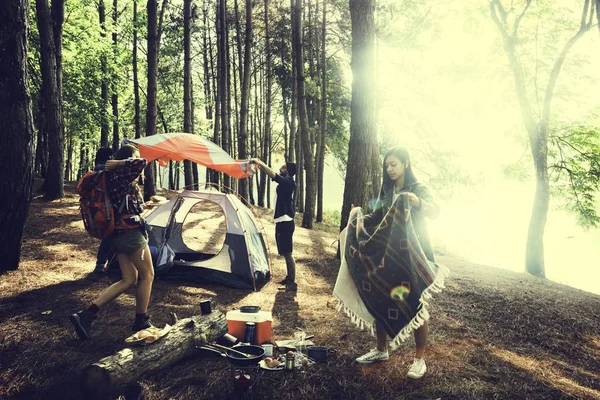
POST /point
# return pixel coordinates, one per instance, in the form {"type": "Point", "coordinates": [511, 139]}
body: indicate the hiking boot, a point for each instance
{"type": "Point", "coordinates": [141, 324]}
{"type": "Point", "coordinates": [83, 323]}
{"type": "Point", "coordinates": [283, 282]}
{"type": "Point", "coordinates": [372, 356]}
{"type": "Point", "coordinates": [417, 369]}
{"type": "Point", "coordinates": [292, 287]}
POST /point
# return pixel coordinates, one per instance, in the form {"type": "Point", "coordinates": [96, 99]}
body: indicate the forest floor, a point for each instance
{"type": "Point", "coordinates": [494, 334]}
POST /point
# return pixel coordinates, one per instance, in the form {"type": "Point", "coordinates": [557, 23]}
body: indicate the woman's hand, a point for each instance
{"type": "Point", "coordinates": [414, 200]}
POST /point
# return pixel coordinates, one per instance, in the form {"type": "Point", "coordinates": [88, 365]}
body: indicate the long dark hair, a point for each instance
{"type": "Point", "coordinates": [126, 151]}
{"type": "Point", "coordinates": [402, 154]}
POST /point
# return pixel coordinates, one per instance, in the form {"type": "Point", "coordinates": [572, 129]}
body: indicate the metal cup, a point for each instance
{"type": "Point", "coordinates": [205, 307]}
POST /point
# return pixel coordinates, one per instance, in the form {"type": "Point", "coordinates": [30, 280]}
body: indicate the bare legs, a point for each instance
{"type": "Point", "coordinates": [134, 268]}
{"type": "Point", "coordinates": [420, 338]}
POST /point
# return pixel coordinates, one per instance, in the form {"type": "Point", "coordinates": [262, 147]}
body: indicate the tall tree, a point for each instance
{"type": "Point", "coordinates": [187, 85]}
{"type": "Point", "coordinates": [223, 79]}
{"type": "Point", "coordinates": [53, 184]}
{"type": "Point", "coordinates": [136, 83]}
{"type": "Point", "coordinates": [308, 158]}
{"type": "Point", "coordinates": [243, 132]}
{"type": "Point", "coordinates": [362, 124]}
{"type": "Point", "coordinates": [323, 122]}
{"type": "Point", "coordinates": [537, 127]}
{"type": "Point", "coordinates": [268, 92]}
{"type": "Point", "coordinates": [16, 130]}
{"type": "Point", "coordinates": [104, 78]}
{"type": "Point", "coordinates": [115, 81]}
{"type": "Point", "coordinates": [151, 107]}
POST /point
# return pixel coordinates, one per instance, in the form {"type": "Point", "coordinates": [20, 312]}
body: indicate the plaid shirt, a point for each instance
{"type": "Point", "coordinates": [120, 189]}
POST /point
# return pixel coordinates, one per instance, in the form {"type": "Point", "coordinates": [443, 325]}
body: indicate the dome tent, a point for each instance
{"type": "Point", "coordinates": [242, 262]}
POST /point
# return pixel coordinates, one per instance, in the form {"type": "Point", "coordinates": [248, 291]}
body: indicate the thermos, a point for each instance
{"type": "Point", "coordinates": [250, 332]}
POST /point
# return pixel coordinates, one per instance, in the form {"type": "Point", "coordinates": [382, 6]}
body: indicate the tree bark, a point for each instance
{"type": "Point", "coordinates": [245, 89]}
{"type": "Point", "coordinates": [16, 130]}
{"type": "Point", "coordinates": [112, 372]}
{"type": "Point", "coordinates": [151, 107]}
{"type": "Point", "coordinates": [187, 86]}
{"type": "Point", "coordinates": [104, 84]}
{"type": "Point", "coordinates": [53, 184]}
{"type": "Point", "coordinates": [222, 77]}
{"type": "Point", "coordinates": [115, 82]}
{"type": "Point", "coordinates": [308, 160]}
{"type": "Point", "coordinates": [362, 124]}
{"type": "Point", "coordinates": [323, 122]}
{"type": "Point", "coordinates": [136, 83]}
{"type": "Point", "coordinates": [268, 94]}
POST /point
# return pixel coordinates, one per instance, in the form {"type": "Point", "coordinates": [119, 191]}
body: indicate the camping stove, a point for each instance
{"type": "Point", "coordinates": [244, 379]}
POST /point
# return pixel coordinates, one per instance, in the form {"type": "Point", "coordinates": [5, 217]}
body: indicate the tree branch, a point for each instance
{"type": "Point", "coordinates": [520, 17]}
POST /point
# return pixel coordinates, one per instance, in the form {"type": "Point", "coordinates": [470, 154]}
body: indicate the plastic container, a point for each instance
{"type": "Point", "coordinates": [236, 325]}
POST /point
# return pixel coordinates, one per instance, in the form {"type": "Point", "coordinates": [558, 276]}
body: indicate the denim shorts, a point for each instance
{"type": "Point", "coordinates": [128, 242]}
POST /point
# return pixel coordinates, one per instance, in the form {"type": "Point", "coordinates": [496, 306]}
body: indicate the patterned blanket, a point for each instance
{"type": "Point", "coordinates": [386, 276]}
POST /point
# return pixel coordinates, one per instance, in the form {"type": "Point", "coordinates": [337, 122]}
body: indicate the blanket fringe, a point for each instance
{"type": "Point", "coordinates": [415, 323]}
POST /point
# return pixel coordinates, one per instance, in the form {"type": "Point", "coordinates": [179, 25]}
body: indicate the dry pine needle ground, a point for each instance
{"type": "Point", "coordinates": [494, 333]}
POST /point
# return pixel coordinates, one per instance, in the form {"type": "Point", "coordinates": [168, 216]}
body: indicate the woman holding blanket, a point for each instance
{"type": "Point", "coordinates": [128, 241]}
{"type": "Point", "coordinates": [388, 270]}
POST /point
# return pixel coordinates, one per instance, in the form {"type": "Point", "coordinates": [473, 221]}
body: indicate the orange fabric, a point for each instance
{"type": "Point", "coordinates": [183, 146]}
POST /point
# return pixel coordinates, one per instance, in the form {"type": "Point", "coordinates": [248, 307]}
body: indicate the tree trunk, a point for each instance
{"type": "Point", "coordinates": [362, 124]}
{"type": "Point", "coordinates": [115, 82]}
{"type": "Point", "coordinates": [217, 89]}
{"type": "Point", "coordinates": [104, 78]}
{"type": "Point", "coordinates": [294, 98]}
{"type": "Point", "coordinates": [222, 78]}
{"type": "Point", "coordinates": [537, 130]}
{"type": "Point", "coordinates": [41, 148]}
{"type": "Point", "coordinates": [323, 122]}
{"type": "Point", "coordinates": [53, 184]}
{"type": "Point", "coordinates": [16, 129]}
{"type": "Point", "coordinates": [187, 86]}
{"type": "Point", "coordinates": [308, 160]}
{"type": "Point", "coordinates": [151, 107]}
{"type": "Point", "coordinates": [268, 95]}
{"type": "Point", "coordinates": [136, 83]}
{"type": "Point", "coordinates": [245, 89]}
{"type": "Point", "coordinates": [208, 97]}
{"type": "Point", "coordinates": [69, 163]}
{"type": "Point", "coordinates": [113, 372]}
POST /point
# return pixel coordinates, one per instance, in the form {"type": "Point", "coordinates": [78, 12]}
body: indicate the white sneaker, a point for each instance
{"type": "Point", "coordinates": [372, 356]}
{"type": "Point", "coordinates": [417, 369]}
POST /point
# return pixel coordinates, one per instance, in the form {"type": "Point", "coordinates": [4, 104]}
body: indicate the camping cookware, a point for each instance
{"type": "Point", "coordinates": [227, 340]}
{"type": "Point", "coordinates": [319, 353]}
{"type": "Point", "coordinates": [241, 356]}
{"type": "Point", "coordinates": [250, 309]}
{"type": "Point", "coordinates": [205, 307]}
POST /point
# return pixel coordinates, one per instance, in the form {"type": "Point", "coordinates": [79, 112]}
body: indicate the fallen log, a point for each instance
{"type": "Point", "coordinates": [113, 372]}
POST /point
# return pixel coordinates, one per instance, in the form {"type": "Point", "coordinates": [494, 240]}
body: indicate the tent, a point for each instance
{"type": "Point", "coordinates": [242, 262]}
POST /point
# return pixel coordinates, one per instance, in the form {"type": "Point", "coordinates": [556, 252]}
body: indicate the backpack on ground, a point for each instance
{"type": "Point", "coordinates": [96, 209]}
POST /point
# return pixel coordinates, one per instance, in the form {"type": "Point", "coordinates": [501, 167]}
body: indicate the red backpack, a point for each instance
{"type": "Point", "coordinates": [96, 209]}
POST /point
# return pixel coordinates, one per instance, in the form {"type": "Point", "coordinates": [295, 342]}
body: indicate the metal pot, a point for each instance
{"type": "Point", "coordinates": [319, 353]}
{"type": "Point", "coordinates": [256, 354]}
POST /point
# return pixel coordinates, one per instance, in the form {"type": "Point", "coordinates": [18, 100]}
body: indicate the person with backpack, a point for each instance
{"type": "Point", "coordinates": [102, 156]}
{"type": "Point", "coordinates": [128, 240]}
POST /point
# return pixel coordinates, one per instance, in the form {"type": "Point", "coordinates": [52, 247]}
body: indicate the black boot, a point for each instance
{"type": "Point", "coordinates": [83, 323]}
{"type": "Point", "coordinates": [141, 323]}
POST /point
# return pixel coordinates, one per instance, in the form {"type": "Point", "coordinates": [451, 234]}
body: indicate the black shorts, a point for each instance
{"type": "Point", "coordinates": [284, 232]}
